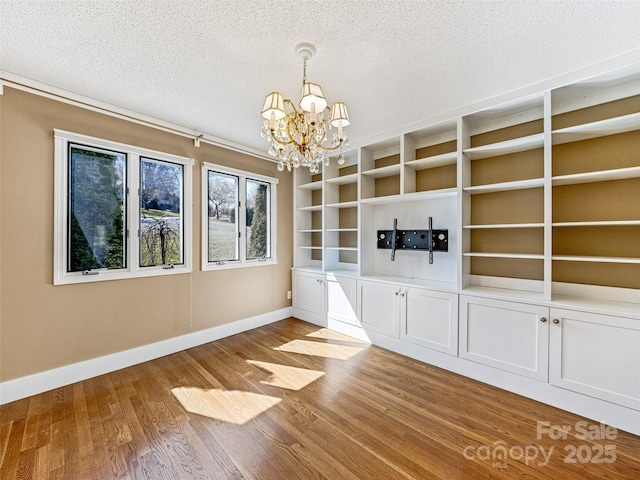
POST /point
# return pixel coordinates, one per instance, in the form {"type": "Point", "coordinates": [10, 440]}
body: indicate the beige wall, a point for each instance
{"type": "Point", "coordinates": [44, 326]}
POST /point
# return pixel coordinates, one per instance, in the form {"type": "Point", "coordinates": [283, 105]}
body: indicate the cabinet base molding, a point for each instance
{"type": "Point", "coordinates": [311, 317]}
{"type": "Point", "coordinates": [624, 418]}
{"type": "Point", "coordinates": [347, 329]}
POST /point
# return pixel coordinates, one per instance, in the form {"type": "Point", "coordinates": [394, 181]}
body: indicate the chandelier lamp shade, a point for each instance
{"type": "Point", "coordinates": [299, 136]}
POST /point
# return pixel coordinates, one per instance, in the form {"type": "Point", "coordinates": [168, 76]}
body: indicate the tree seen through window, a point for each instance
{"type": "Point", "coordinates": [96, 209]}
{"type": "Point", "coordinates": [160, 213]}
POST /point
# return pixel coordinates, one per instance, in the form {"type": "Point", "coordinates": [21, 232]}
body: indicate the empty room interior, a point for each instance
{"type": "Point", "coordinates": [394, 239]}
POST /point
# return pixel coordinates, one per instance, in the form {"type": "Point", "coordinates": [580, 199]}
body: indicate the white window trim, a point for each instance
{"type": "Point", "coordinates": [132, 224]}
{"type": "Point", "coordinates": [273, 198]}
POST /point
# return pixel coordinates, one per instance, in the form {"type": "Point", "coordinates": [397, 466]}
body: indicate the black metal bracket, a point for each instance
{"type": "Point", "coordinates": [426, 240]}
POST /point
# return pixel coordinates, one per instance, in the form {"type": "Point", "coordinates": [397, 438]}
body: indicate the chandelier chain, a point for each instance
{"type": "Point", "coordinates": [304, 72]}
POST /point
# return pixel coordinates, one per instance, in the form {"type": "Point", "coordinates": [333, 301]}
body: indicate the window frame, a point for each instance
{"type": "Point", "coordinates": [241, 218]}
{"type": "Point", "coordinates": [131, 222]}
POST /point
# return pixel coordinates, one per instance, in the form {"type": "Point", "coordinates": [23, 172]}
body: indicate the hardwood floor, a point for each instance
{"type": "Point", "coordinates": [292, 400]}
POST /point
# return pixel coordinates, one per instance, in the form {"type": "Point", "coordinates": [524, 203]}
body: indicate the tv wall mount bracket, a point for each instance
{"type": "Point", "coordinates": [413, 239]}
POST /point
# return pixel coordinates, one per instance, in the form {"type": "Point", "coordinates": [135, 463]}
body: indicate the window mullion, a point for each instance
{"type": "Point", "coordinates": [242, 217]}
{"type": "Point", "coordinates": [133, 213]}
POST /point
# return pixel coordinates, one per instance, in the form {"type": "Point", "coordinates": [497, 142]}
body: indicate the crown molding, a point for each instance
{"type": "Point", "coordinates": [35, 87]}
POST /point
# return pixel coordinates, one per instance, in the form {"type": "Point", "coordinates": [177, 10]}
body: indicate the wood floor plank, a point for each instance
{"type": "Point", "coordinates": [11, 457]}
{"type": "Point", "coordinates": [292, 400]}
{"type": "Point", "coordinates": [41, 463]}
{"type": "Point", "coordinates": [5, 434]}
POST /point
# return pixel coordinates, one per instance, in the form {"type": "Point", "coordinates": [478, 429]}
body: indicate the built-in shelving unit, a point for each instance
{"type": "Point", "coordinates": [595, 182]}
{"type": "Point", "coordinates": [502, 167]}
{"type": "Point", "coordinates": [545, 189]}
{"type": "Point", "coordinates": [308, 223]}
{"type": "Point", "coordinates": [341, 214]}
{"type": "Point", "coordinates": [381, 169]}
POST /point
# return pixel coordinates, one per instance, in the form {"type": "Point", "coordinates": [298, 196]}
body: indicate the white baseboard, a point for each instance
{"type": "Point", "coordinates": [18, 388]}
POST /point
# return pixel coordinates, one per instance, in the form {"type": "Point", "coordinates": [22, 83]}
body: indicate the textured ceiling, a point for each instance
{"type": "Point", "coordinates": [207, 65]}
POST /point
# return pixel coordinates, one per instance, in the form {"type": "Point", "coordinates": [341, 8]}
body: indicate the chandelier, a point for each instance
{"type": "Point", "coordinates": [299, 137]}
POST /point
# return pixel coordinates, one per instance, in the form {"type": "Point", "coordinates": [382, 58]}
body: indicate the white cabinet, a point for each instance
{"type": "Point", "coordinates": [597, 355]}
{"type": "Point", "coordinates": [506, 335]}
{"type": "Point", "coordinates": [420, 316]}
{"type": "Point", "coordinates": [379, 307]}
{"type": "Point", "coordinates": [430, 319]}
{"type": "Point", "coordinates": [341, 299]}
{"type": "Point", "coordinates": [309, 292]}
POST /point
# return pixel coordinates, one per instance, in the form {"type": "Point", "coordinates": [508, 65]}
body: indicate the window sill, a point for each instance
{"type": "Point", "coordinates": [210, 267]}
{"type": "Point", "coordinates": [106, 275]}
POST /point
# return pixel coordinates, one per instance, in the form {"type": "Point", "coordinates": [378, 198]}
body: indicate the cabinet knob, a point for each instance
{"type": "Point", "coordinates": [396, 293]}
{"type": "Point", "coordinates": [556, 321]}
{"type": "Point", "coordinates": [543, 319]}
{"type": "Point", "coordinates": [402, 294]}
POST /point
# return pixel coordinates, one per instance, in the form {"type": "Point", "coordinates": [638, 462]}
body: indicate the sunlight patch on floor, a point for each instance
{"type": "Point", "coordinates": [230, 406]}
{"type": "Point", "coordinates": [283, 376]}
{"type": "Point", "coordinates": [318, 349]}
{"type": "Point", "coordinates": [327, 334]}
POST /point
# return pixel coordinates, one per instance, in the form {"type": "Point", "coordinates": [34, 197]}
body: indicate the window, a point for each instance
{"type": "Point", "coordinates": [161, 223]}
{"type": "Point", "coordinates": [120, 211]}
{"type": "Point", "coordinates": [224, 241]}
{"type": "Point", "coordinates": [238, 218]}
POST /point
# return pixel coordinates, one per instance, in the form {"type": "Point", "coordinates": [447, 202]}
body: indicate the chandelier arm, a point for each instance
{"type": "Point", "coordinates": [331, 149]}
{"type": "Point", "coordinates": [291, 104]}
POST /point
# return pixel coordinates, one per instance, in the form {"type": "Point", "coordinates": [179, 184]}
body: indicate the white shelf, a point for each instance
{"type": "Point", "coordinates": [344, 249]}
{"type": "Point", "coordinates": [311, 186]}
{"type": "Point", "coordinates": [599, 176]}
{"type": "Point", "coordinates": [503, 148]}
{"type": "Point", "coordinates": [352, 204]}
{"type": "Point", "coordinates": [309, 247]}
{"type": "Point", "coordinates": [603, 223]}
{"type": "Point", "coordinates": [311, 208]}
{"type": "Point", "coordinates": [529, 256]}
{"type": "Point", "coordinates": [611, 126]}
{"type": "Point", "coordinates": [505, 225]}
{"type": "Point", "coordinates": [341, 230]}
{"type": "Point", "coordinates": [312, 230]}
{"type": "Point", "coordinates": [381, 172]}
{"type": "Point", "coordinates": [434, 161]}
{"type": "Point", "coordinates": [431, 194]}
{"type": "Point", "coordinates": [579, 258]}
{"type": "Point", "coordinates": [505, 186]}
{"type": "Point", "coordinates": [345, 179]}
{"type": "Point", "coordinates": [412, 197]}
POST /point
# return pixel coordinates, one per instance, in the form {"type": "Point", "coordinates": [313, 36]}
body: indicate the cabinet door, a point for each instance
{"type": "Point", "coordinates": [597, 355]}
{"type": "Point", "coordinates": [430, 319]}
{"type": "Point", "coordinates": [505, 335]}
{"type": "Point", "coordinates": [341, 299]}
{"type": "Point", "coordinates": [308, 292]}
{"type": "Point", "coordinates": [378, 307]}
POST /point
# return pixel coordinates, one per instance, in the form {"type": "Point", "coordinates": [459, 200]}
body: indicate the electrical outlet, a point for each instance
{"type": "Point", "coordinates": [289, 295]}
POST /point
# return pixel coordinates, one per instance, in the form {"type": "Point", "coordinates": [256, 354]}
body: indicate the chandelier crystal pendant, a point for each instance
{"type": "Point", "coordinates": [300, 137]}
